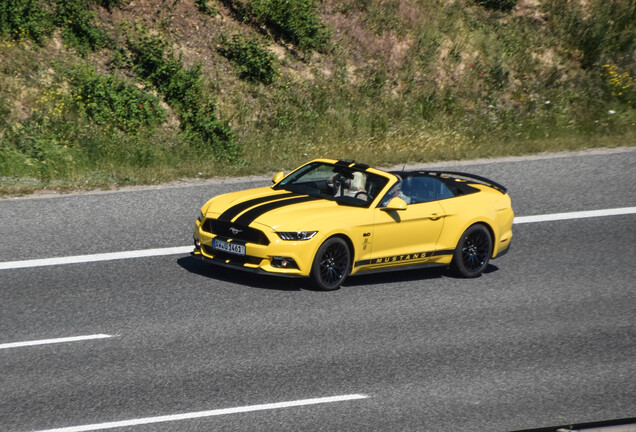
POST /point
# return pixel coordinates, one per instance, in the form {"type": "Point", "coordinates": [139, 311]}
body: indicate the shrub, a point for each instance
{"type": "Point", "coordinates": [502, 5]}
{"type": "Point", "coordinates": [77, 22]}
{"type": "Point", "coordinates": [109, 4]}
{"type": "Point", "coordinates": [205, 7]}
{"type": "Point", "coordinates": [249, 58]}
{"type": "Point", "coordinates": [36, 19]}
{"type": "Point", "coordinates": [295, 21]}
{"type": "Point", "coordinates": [204, 130]}
{"type": "Point", "coordinates": [154, 60]}
{"type": "Point", "coordinates": [109, 101]}
{"type": "Point", "coordinates": [4, 114]}
{"type": "Point", "coordinates": [148, 55]}
{"type": "Point", "coordinates": [20, 19]}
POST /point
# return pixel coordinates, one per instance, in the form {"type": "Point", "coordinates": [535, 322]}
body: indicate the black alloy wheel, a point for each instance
{"type": "Point", "coordinates": [473, 252]}
{"type": "Point", "coordinates": [332, 264]}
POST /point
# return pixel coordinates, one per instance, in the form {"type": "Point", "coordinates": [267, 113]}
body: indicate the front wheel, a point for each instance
{"type": "Point", "coordinates": [473, 252]}
{"type": "Point", "coordinates": [332, 264]}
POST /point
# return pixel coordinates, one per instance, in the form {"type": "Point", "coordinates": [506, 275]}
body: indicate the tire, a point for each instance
{"type": "Point", "coordinates": [473, 252]}
{"type": "Point", "coordinates": [331, 265]}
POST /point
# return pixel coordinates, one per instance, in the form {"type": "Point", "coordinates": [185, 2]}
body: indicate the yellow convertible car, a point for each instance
{"type": "Point", "coordinates": [330, 219]}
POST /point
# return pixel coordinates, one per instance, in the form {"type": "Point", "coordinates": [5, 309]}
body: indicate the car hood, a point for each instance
{"type": "Point", "coordinates": [277, 209]}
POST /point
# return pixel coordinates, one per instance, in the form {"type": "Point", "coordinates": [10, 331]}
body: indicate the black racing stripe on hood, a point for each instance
{"type": "Point", "coordinates": [249, 216]}
{"type": "Point", "coordinates": [233, 211]}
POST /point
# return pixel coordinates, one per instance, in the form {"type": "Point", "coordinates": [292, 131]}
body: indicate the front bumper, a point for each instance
{"type": "Point", "coordinates": [237, 265]}
{"type": "Point", "coordinates": [259, 258]}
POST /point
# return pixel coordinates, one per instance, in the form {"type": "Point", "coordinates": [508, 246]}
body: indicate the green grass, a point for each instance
{"type": "Point", "coordinates": [382, 83]}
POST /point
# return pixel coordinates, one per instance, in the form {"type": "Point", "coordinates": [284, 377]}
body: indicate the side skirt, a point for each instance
{"type": "Point", "coordinates": [398, 268]}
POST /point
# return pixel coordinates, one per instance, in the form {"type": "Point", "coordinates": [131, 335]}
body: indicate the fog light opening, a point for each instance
{"type": "Point", "coordinates": [197, 243]}
{"type": "Point", "coordinates": [284, 262]}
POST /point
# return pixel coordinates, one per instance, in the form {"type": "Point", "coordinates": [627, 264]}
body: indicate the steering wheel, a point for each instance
{"type": "Point", "coordinates": [367, 196]}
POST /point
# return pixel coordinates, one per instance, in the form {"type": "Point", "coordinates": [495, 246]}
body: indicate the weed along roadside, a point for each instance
{"type": "Point", "coordinates": [140, 93]}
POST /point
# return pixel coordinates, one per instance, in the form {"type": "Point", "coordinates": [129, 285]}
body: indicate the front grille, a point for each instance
{"type": "Point", "coordinates": [246, 234]}
{"type": "Point", "coordinates": [234, 259]}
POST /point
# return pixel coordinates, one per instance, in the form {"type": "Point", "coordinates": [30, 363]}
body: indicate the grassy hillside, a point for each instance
{"type": "Point", "coordinates": [102, 92]}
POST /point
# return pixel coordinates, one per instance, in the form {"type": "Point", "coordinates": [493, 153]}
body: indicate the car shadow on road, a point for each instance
{"type": "Point", "coordinates": [225, 274]}
{"type": "Point", "coordinates": [411, 275]}
{"type": "Point", "coordinates": [379, 278]}
{"type": "Point", "coordinates": [264, 281]}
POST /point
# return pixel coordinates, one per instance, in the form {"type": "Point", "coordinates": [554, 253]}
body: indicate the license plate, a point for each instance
{"type": "Point", "coordinates": [224, 246]}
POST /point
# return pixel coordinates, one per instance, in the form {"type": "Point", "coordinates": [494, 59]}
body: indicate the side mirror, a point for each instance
{"type": "Point", "coordinates": [278, 177]}
{"type": "Point", "coordinates": [397, 204]}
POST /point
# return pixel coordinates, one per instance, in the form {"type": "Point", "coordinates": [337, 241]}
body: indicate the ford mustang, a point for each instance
{"type": "Point", "coordinates": [329, 219]}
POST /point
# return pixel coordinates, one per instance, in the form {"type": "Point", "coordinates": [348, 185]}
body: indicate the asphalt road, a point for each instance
{"type": "Point", "coordinates": [546, 337]}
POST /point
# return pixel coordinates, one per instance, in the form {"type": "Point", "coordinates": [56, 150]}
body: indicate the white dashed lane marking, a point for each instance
{"type": "Point", "coordinates": [575, 215]}
{"type": "Point", "coordinates": [211, 413]}
{"type": "Point", "coordinates": [54, 341]}
{"type": "Point", "coordinates": [95, 258]}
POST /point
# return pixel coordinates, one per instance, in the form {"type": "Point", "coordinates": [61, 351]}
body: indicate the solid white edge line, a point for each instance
{"type": "Point", "coordinates": [210, 413]}
{"type": "Point", "coordinates": [10, 265]}
{"type": "Point", "coordinates": [54, 341]}
{"type": "Point", "coordinates": [95, 257]}
{"type": "Point", "coordinates": [574, 215]}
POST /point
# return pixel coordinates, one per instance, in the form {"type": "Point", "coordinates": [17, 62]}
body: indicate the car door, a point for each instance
{"type": "Point", "coordinates": [407, 236]}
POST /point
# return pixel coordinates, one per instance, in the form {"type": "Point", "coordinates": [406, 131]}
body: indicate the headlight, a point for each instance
{"type": "Point", "coordinates": [201, 217]}
{"type": "Point", "coordinates": [297, 235]}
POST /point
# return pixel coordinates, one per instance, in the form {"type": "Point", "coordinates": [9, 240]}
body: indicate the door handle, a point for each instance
{"type": "Point", "coordinates": [435, 216]}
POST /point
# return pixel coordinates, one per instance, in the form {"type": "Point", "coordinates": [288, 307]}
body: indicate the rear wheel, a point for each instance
{"type": "Point", "coordinates": [473, 252]}
{"type": "Point", "coordinates": [332, 264]}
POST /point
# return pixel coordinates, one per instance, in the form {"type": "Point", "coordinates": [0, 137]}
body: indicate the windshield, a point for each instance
{"type": "Point", "coordinates": [342, 184]}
